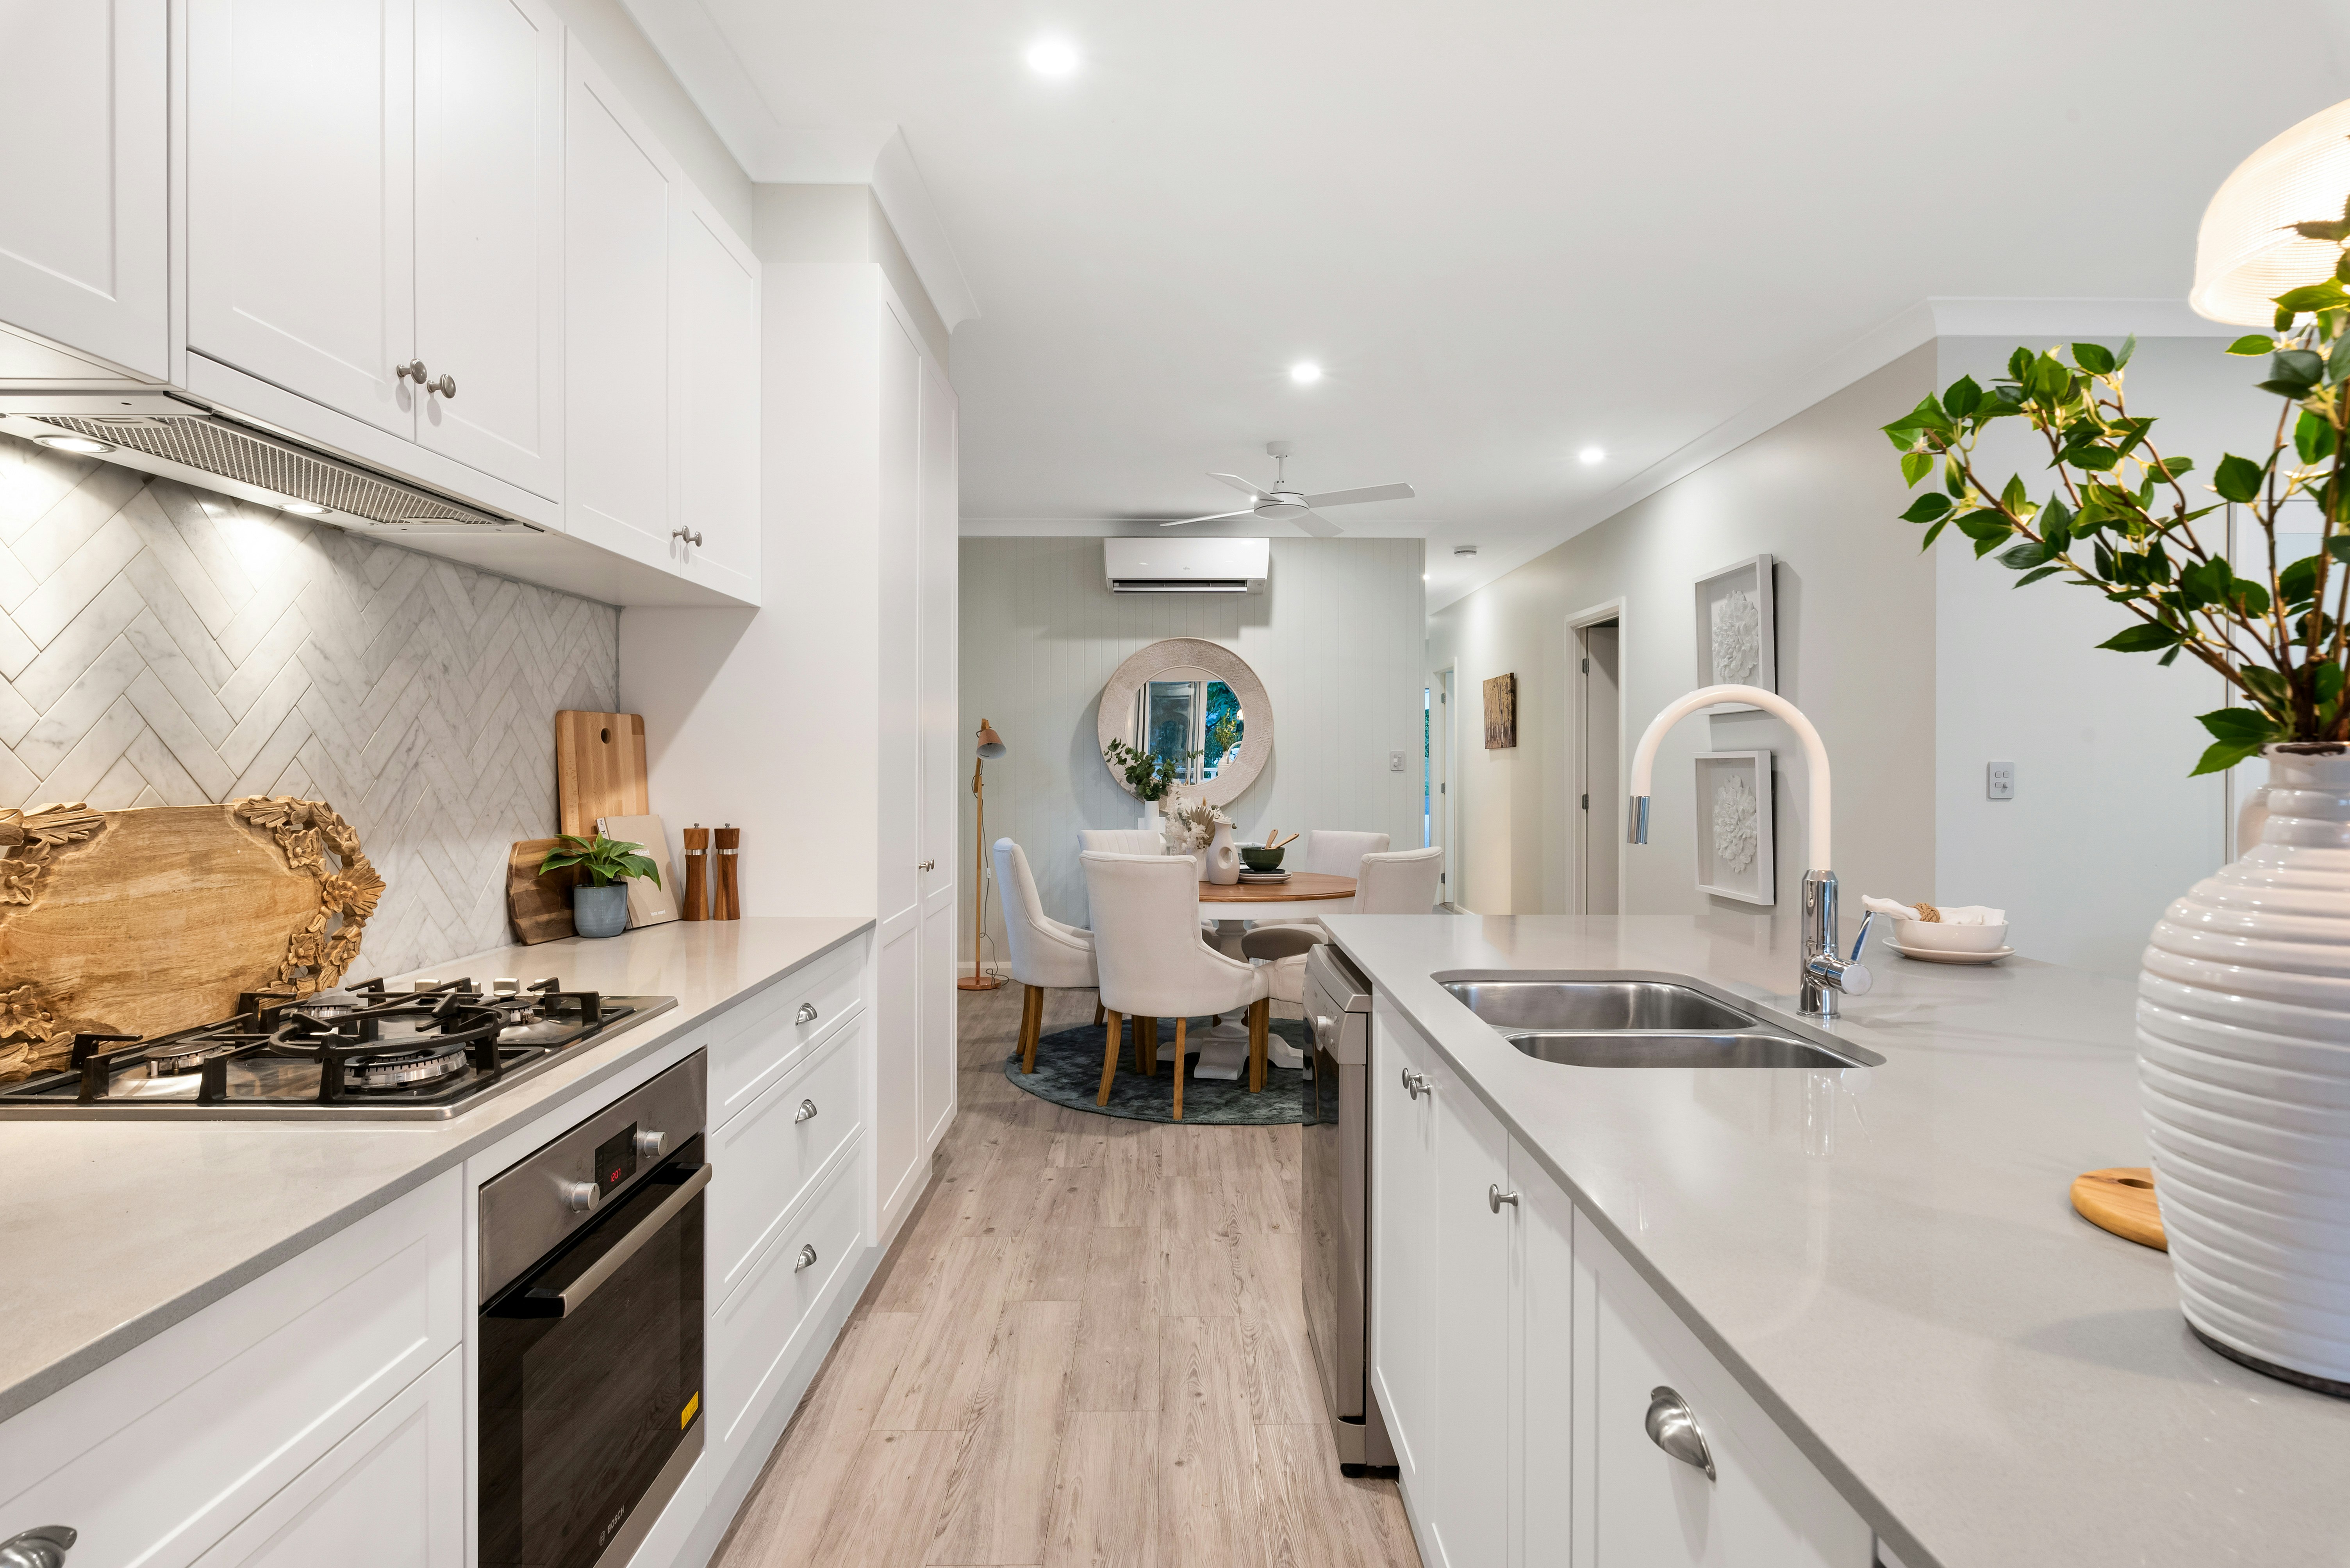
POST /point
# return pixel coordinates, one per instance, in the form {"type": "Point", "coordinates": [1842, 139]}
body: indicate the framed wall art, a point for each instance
{"type": "Point", "coordinates": [1735, 856]}
{"type": "Point", "coordinates": [1737, 630]}
{"type": "Point", "coordinates": [1501, 712]}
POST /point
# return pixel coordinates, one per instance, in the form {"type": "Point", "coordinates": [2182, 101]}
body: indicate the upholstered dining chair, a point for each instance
{"type": "Point", "coordinates": [1153, 965]}
{"type": "Point", "coordinates": [1047, 955]}
{"type": "Point", "coordinates": [1403, 882]}
{"type": "Point", "coordinates": [1332, 854]}
{"type": "Point", "coordinates": [1122, 840]}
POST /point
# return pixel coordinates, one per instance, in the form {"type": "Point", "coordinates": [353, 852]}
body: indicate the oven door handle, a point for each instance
{"type": "Point", "coordinates": [563, 1303]}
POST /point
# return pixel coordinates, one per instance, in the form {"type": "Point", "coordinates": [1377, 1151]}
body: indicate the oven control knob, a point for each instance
{"type": "Point", "coordinates": [579, 1197]}
{"type": "Point", "coordinates": [650, 1144]}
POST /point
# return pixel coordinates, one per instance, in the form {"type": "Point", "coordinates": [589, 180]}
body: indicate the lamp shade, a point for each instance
{"type": "Point", "coordinates": [991, 745]}
{"type": "Point", "coordinates": [2246, 252]}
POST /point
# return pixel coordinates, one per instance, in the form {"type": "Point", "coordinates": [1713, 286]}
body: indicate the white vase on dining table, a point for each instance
{"type": "Point", "coordinates": [1223, 857]}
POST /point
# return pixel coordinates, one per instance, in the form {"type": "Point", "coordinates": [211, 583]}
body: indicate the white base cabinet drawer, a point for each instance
{"type": "Point", "coordinates": [755, 1044]}
{"type": "Point", "coordinates": [757, 1332]}
{"type": "Point", "coordinates": [770, 1154]}
{"type": "Point", "coordinates": [158, 1454]}
{"type": "Point", "coordinates": [390, 1495]}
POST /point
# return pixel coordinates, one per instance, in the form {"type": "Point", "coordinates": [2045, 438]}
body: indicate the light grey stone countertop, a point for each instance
{"type": "Point", "coordinates": [1887, 1258]}
{"type": "Point", "coordinates": [113, 1230]}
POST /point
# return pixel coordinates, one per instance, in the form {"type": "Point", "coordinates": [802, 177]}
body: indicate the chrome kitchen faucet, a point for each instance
{"type": "Point", "coordinates": [1825, 972]}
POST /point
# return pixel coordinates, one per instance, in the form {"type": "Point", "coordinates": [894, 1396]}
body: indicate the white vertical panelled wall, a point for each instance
{"type": "Point", "coordinates": [1337, 637]}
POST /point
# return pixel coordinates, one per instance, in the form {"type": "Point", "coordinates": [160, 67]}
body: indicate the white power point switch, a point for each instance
{"type": "Point", "coordinates": [1999, 781]}
{"type": "Point", "coordinates": [1395, 762]}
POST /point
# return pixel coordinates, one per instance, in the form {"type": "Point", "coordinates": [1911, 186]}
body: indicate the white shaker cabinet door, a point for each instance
{"type": "Point", "coordinates": [390, 1495]}
{"type": "Point", "coordinates": [714, 404]}
{"type": "Point", "coordinates": [1765, 1506]}
{"type": "Point", "coordinates": [946, 749]}
{"type": "Point", "coordinates": [83, 204]}
{"type": "Point", "coordinates": [301, 203]}
{"type": "Point", "coordinates": [489, 236]}
{"type": "Point", "coordinates": [1403, 1247]}
{"type": "Point", "coordinates": [1542, 1332]}
{"type": "Point", "coordinates": [617, 372]}
{"type": "Point", "coordinates": [1476, 1229]}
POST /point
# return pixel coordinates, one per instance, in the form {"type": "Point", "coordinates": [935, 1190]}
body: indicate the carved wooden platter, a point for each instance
{"type": "Point", "coordinates": [145, 922]}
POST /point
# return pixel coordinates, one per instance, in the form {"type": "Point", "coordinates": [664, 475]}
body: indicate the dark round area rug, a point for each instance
{"type": "Point", "coordinates": [1068, 1073]}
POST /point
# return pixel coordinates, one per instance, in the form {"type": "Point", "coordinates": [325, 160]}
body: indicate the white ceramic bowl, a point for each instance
{"type": "Point", "coordinates": [1940, 936]}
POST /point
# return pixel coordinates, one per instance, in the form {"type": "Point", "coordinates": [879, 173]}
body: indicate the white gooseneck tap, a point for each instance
{"type": "Point", "coordinates": [1826, 973]}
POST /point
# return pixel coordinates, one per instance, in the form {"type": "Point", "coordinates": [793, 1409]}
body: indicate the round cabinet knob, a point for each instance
{"type": "Point", "coordinates": [42, 1546]}
{"type": "Point", "coordinates": [1495, 1198]}
{"type": "Point", "coordinates": [690, 535]}
{"type": "Point", "coordinates": [807, 1259]}
{"type": "Point", "coordinates": [1672, 1426]}
{"type": "Point", "coordinates": [412, 371]}
{"type": "Point", "coordinates": [928, 866]}
{"type": "Point", "coordinates": [446, 386]}
{"type": "Point", "coordinates": [807, 1014]}
{"type": "Point", "coordinates": [806, 1111]}
{"type": "Point", "coordinates": [650, 1145]}
{"type": "Point", "coordinates": [579, 1197]}
{"type": "Point", "coordinates": [1417, 1084]}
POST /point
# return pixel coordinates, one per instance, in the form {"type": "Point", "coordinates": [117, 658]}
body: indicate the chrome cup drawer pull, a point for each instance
{"type": "Point", "coordinates": [807, 1014]}
{"type": "Point", "coordinates": [1672, 1426]}
{"type": "Point", "coordinates": [807, 1259]}
{"type": "Point", "coordinates": [42, 1546]}
{"type": "Point", "coordinates": [806, 1111]}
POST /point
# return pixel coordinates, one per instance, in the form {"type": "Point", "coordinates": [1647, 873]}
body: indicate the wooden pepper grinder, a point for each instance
{"type": "Point", "coordinates": [727, 900]}
{"type": "Point", "coordinates": [697, 873]}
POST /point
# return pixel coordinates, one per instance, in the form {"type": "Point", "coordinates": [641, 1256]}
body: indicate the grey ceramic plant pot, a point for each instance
{"type": "Point", "coordinates": [600, 912]}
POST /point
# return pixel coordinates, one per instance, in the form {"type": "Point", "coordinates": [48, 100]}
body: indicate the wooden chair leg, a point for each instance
{"type": "Point", "coordinates": [1146, 1046]}
{"type": "Point", "coordinates": [1109, 1059]}
{"type": "Point", "coordinates": [1179, 1067]}
{"type": "Point", "coordinates": [1097, 1010]}
{"type": "Point", "coordinates": [1032, 1024]}
{"type": "Point", "coordinates": [1260, 1021]}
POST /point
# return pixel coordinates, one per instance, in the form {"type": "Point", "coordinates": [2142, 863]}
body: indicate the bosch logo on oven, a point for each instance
{"type": "Point", "coordinates": [615, 1160]}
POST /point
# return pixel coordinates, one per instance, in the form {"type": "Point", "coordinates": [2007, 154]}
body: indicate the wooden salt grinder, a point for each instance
{"type": "Point", "coordinates": [727, 902]}
{"type": "Point", "coordinates": [697, 873]}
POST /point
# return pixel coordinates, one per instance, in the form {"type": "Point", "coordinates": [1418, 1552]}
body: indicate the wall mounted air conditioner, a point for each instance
{"type": "Point", "coordinates": [1186, 565]}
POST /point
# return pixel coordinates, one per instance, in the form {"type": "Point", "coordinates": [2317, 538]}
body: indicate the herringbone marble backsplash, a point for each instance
{"type": "Point", "coordinates": [162, 646]}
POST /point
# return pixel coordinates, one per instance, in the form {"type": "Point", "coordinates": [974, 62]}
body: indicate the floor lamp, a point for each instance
{"type": "Point", "coordinates": [991, 745]}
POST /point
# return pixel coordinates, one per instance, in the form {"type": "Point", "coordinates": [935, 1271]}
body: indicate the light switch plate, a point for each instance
{"type": "Point", "coordinates": [1999, 781]}
{"type": "Point", "coordinates": [1395, 762]}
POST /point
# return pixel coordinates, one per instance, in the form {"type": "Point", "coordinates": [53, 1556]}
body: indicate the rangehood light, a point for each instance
{"type": "Point", "coordinates": [304, 508]}
{"type": "Point", "coordinates": [82, 445]}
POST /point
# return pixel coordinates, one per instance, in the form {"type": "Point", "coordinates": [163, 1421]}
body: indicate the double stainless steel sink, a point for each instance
{"type": "Point", "coordinates": [1639, 1020]}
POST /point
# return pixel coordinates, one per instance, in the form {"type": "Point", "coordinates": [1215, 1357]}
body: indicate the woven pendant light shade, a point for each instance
{"type": "Point", "coordinates": [2246, 253]}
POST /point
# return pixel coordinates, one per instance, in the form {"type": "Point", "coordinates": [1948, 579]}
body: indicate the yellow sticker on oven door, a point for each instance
{"type": "Point", "coordinates": [685, 1417]}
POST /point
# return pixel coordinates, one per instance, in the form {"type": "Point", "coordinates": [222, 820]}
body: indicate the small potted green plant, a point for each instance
{"type": "Point", "coordinates": [1148, 775]}
{"type": "Point", "coordinates": [599, 907]}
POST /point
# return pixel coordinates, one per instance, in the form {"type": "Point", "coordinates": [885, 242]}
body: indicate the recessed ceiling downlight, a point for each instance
{"type": "Point", "coordinates": [1305, 372]}
{"type": "Point", "coordinates": [82, 444]}
{"type": "Point", "coordinates": [1592, 454]}
{"type": "Point", "coordinates": [1052, 58]}
{"type": "Point", "coordinates": [304, 508]}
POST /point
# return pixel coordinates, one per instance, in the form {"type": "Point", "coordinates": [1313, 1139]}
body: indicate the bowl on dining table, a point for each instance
{"type": "Point", "coordinates": [1947, 937]}
{"type": "Point", "coordinates": [1257, 857]}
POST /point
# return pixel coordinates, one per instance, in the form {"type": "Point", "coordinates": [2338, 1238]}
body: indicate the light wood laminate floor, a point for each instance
{"type": "Point", "coordinates": [1084, 1348]}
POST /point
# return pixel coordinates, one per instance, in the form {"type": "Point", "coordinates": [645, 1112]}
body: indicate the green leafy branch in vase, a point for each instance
{"type": "Point", "coordinates": [2120, 520]}
{"type": "Point", "coordinates": [606, 860]}
{"type": "Point", "coordinates": [1149, 774]}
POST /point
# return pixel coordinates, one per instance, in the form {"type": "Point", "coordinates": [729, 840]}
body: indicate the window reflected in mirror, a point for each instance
{"type": "Point", "coordinates": [1197, 724]}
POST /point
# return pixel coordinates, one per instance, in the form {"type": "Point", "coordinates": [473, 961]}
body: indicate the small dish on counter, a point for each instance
{"type": "Point", "coordinates": [1946, 937]}
{"type": "Point", "coordinates": [1947, 955]}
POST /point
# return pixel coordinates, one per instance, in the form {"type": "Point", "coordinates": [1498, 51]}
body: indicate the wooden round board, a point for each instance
{"type": "Point", "coordinates": [1301, 886]}
{"type": "Point", "coordinates": [2120, 1198]}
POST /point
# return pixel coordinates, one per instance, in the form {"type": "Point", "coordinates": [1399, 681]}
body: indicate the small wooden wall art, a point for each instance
{"type": "Point", "coordinates": [1738, 629]}
{"type": "Point", "coordinates": [1501, 712]}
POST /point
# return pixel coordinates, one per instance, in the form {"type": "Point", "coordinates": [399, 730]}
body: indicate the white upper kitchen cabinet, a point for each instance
{"type": "Point", "coordinates": [714, 401]}
{"type": "Point", "coordinates": [489, 236]}
{"type": "Point", "coordinates": [301, 197]}
{"type": "Point", "coordinates": [84, 197]}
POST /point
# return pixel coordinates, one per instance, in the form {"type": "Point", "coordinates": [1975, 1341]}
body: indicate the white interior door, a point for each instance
{"type": "Point", "coordinates": [715, 425]}
{"type": "Point", "coordinates": [301, 200]}
{"type": "Point", "coordinates": [901, 1000]}
{"type": "Point", "coordinates": [489, 236]}
{"type": "Point", "coordinates": [83, 245]}
{"type": "Point", "coordinates": [946, 755]}
{"type": "Point", "coordinates": [1602, 724]}
{"type": "Point", "coordinates": [617, 388]}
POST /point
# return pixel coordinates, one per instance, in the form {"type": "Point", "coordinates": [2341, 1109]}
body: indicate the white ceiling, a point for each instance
{"type": "Point", "coordinates": [1506, 230]}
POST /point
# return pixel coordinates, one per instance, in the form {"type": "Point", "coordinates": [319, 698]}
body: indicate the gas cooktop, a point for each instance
{"type": "Point", "coordinates": [368, 1053]}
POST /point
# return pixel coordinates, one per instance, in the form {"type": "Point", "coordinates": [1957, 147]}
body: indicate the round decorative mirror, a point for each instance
{"type": "Point", "coordinates": [1196, 703]}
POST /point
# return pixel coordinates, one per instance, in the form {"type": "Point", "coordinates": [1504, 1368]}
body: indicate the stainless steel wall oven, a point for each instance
{"type": "Point", "coordinates": [591, 1296]}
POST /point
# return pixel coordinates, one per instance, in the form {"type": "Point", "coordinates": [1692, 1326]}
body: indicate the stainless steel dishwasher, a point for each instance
{"type": "Point", "coordinates": [1335, 1181]}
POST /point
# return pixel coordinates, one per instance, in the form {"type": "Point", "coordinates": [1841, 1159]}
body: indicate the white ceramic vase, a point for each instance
{"type": "Point", "coordinates": [2244, 1065]}
{"type": "Point", "coordinates": [1151, 818]}
{"type": "Point", "coordinates": [1223, 856]}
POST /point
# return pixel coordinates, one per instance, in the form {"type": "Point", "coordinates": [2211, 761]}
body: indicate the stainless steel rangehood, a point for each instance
{"type": "Point", "coordinates": [164, 435]}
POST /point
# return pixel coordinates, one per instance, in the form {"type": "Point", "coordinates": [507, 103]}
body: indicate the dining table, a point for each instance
{"type": "Point", "coordinates": [1239, 904]}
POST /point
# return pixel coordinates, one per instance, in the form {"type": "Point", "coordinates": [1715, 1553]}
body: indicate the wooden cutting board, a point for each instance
{"type": "Point", "coordinates": [540, 906]}
{"type": "Point", "coordinates": [141, 922]}
{"type": "Point", "coordinates": [2120, 1198]}
{"type": "Point", "coordinates": [599, 769]}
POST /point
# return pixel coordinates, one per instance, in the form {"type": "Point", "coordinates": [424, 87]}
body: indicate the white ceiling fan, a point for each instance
{"type": "Point", "coordinates": [1281, 501]}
